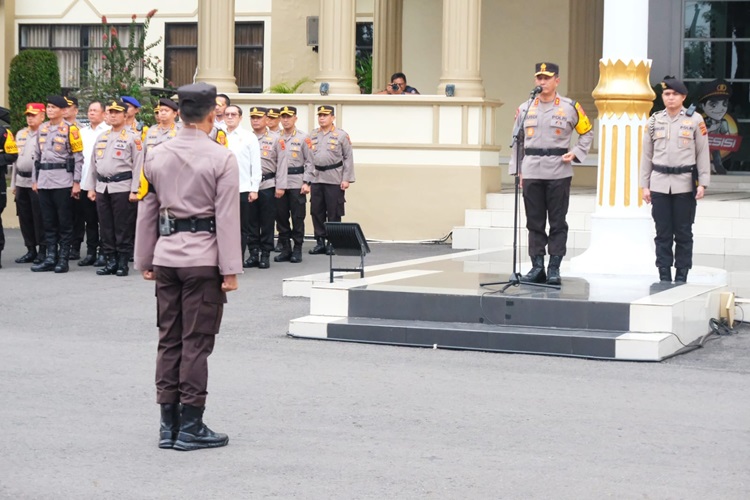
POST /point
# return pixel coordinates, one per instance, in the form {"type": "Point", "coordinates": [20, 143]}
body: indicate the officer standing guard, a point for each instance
{"type": "Point", "coordinates": [57, 179]}
{"type": "Point", "coordinates": [299, 176]}
{"type": "Point", "coordinates": [273, 184]}
{"type": "Point", "coordinates": [334, 171]}
{"type": "Point", "coordinates": [675, 171]}
{"type": "Point", "coordinates": [27, 201]}
{"type": "Point", "coordinates": [546, 168]}
{"type": "Point", "coordinates": [117, 158]}
{"type": "Point", "coordinates": [10, 153]}
{"type": "Point", "coordinates": [195, 184]}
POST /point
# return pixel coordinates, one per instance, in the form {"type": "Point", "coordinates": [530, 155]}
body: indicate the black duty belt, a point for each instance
{"type": "Point", "coordinates": [265, 177]}
{"type": "Point", "coordinates": [544, 151]}
{"type": "Point", "coordinates": [194, 225]}
{"type": "Point", "coordinates": [122, 176]}
{"type": "Point", "coordinates": [51, 166]}
{"type": "Point", "coordinates": [323, 168]}
{"type": "Point", "coordinates": [672, 170]}
{"type": "Point", "coordinates": [296, 170]}
{"type": "Point", "coordinates": [24, 174]}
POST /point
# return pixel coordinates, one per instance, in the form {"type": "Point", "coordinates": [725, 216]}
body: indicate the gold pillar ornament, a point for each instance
{"type": "Point", "coordinates": [624, 88]}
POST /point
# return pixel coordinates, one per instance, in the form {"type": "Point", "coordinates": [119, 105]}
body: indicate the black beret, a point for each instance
{"type": "Point", "coordinates": [168, 103]}
{"type": "Point", "coordinates": [201, 94]}
{"type": "Point", "coordinates": [674, 84]}
{"type": "Point", "coordinates": [57, 100]}
{"type": "Point", "coordinates": [716, 89]}
{"type": "Point", "coordinates": [288, 110]}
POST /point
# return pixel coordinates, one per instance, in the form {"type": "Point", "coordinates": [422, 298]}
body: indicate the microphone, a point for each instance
{"type": "Point", "coordinates": [537, 90]}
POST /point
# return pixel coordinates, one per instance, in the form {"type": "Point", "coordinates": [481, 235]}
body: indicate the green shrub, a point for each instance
{"type": "Point", "coordinates": [34, 74]}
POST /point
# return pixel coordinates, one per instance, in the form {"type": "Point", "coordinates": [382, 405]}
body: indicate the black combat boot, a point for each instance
{"type": "Point", "coordinates": [170, 424]}
{"type": "Point", "coordinates": [253, 260]}
{"type": "Point", "coordinates": [49, 262]}
{"type": "Point", "coordinates": [28, 257]}
{"type": "Point", "coordinates": [122, 265]}
{"type": "Point", "coordinates": [536, 273]}
{"type": "Point", "coordinates": [553, 270]}
{"type": "Point", "coordinates": [101, 259]}
{"type": "Point", "coordinates": [319, 248]}
{"type": "Point", "coordinates": [280, 245]}
{"type": "Point", "coordinates": [75, 252]}
{"type": "Point", "coordinates": [296, 257]}
{"type": "Point", "coordinates": [665, 274]}
{"type": "Point", "coordinates": [194, 434]}
{"type": "Point", "coordinates": [286, 253]}
{"type": "Point", "coordinates": [41, 254]}
{"type": "Point", "coordinates": [90, 258]}
{"type": "Point", "coordinates": [110, 267]}
{"type": "Point", "coordinates": [265, 260]}
{"type": "Point", "coordinates": [62, 260]}
{"type": "Point", "coordinates": [680, 275]}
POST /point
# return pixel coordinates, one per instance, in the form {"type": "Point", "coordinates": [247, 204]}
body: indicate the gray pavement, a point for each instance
{"type": "Point", "coordinates": [313, 419]}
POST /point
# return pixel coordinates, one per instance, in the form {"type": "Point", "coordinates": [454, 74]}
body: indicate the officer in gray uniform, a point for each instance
{"type": "Point", "coordinates": [188, 241]}
{"type": "Point", "coordinates": [675, 172]}
{"type": "Point", "coordinates": [115, 162]}
{"type": "Point", "coordinates": [334, 171]}
{"type": "Point", "coordinates": [546, 168]}
{"type": "Point", "coordinates": [57, 179]}
{"type": "Point", "coordinates": [293, 205]}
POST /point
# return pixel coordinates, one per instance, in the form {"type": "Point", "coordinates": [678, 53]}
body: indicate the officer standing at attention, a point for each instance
{"type": "Point", "coordinates": [273, 184]}
{"type": "Point", "coordinates": [27, 201]}
{"type": "Point", "coordinates": [675, 172]}
{"type": "Point", "coordinates": [546, 169]}
{"type": "Point", "coordinates": [273, 118]}
{"type": "Point", "coordinates": [334, 171]}
{"type": "Point", "coordinates": [293, 205]}
{"type": "Point", "coordinates": [115, 162]}
{"type": "Point", "coordinates": [195, 184]}
{"type": "Point", "coordinates": [132, 107]}
{"type": "Point", "coordinates": [70, 115]}
{"type": "Point", "coordinates": [8, 157]}
{"type": "Point", "coordinates": [57, 180]}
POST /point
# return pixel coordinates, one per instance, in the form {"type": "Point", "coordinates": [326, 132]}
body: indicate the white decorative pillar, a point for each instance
{"type": "Point", "coordinates": [216, 44]}
{"type": "Point", "coordinates": [336, 37]}
{"type": "Point", "coordinates": [388, 20]}
{"type": "Point", "coordinates": [621, 226]}
{"type": "Point", "coordinates": [462, 30]}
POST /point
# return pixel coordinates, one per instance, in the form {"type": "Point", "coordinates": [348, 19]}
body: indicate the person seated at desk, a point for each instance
{"type": "Point", "coordinates": [398, 86]}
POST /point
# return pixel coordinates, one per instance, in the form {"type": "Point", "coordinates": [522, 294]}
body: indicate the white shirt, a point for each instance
{"type": "Point", "coordinates": [89, 135]}
{"type": "Point", "coordinates": [246, 148]}
{"type": "Point", "coordinates": [220, 124]}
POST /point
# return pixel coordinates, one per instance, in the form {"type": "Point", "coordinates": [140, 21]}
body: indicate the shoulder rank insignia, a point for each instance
{"type": "Point", "coordinates": [221, 138]}
{"type": "Point", "coordinates": [76, 143]}
{"type": "Point", "coordinates": [282, 144]}
{"type": "Point", "coordinates": [10, 144]}
{"type": "Point", "coordinates": [702, 126]}
{"type": "Point", "coordinates": [584, 124]}
{"type": "Point", "coordinates": [308, 142]}
{"type": "Point", "coordinates": [138, 144]}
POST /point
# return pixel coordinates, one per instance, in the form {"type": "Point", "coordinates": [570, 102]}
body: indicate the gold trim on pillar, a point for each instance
{"type": "Point", "coordinates": [602, 152]}
{"type": "Point", "coordinates": [640, 152]}
{"type": "Point", "coordinates": [628, 148]}
{"type": "Point", "coordinates": [623, 88]}
{"type": "Point", "coordinates": [613, 169]}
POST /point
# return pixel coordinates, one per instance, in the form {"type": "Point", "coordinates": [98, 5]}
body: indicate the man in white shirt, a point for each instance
{"type": "Point", "coordinates": [246, 148]}
{"type": "Point", "coordinates": [88, 221]}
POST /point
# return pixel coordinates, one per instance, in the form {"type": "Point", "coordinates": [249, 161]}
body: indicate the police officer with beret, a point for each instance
{"type": "Point", "coordinates": [334, 171]}
{"type": "Point", "coordinates": [7, 158]}
{"type": "Point", "coordinates": [188, 241]}
{"type": "Point", "coordinates": [57, 179]}
{"type": "Point", "coordinates": [546, 168]}
{"type": "Point", "coordinates": [675, 171]}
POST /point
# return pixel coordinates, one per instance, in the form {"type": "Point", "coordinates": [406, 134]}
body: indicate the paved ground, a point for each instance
{"type": "Point", "coordinates": [311, 420]}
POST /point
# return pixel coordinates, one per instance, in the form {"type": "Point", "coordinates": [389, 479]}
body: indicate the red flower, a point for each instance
{"type": "Point", "coordinates": [104, 57]}
{"type": "Point", "coordinates": [113, 32]}
{"type": "Point", "coordinates": [104, 19]}
{"type": "Point", "coordinates": [150, 13]}
{"type": "Point", "coordinates": [133, 17]}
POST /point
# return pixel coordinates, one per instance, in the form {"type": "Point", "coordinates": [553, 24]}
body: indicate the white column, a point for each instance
{"type": "Point", "coordinates": [216, 44]}
{"type": "Point", "coordinates": [336, 37]}
{"type": "Point", "coordinates": [387, 49]}
{"type": "Point", "coordinates": [621, 227]}
{"type": "Point", "coordinates": [462, 32]}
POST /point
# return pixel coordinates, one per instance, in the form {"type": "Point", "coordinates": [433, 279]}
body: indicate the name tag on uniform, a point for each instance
{"type": "Point", "coordinates": [531, 122]}
{"type": "Point", "coordinates": [660, 134]}
{"type": "Point", "coordinates": [101, 145]}
{"type": "Point", "coordinates": [60, 140]}
{"type": "Point", "coordinates": [120, 145]}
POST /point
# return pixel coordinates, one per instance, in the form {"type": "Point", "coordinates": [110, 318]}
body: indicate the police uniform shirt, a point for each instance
{"type": "Point", "coordinates": [26, 157]}
{"type": "Point", "coordinates": [329, 148]}
{"type": "Point", "coordinates": [273, 160]}
{"type": "Point", "coordinates": [298, 155]}
{"type": "Point", "coordinates": [55, 144]}
{"type": "Point", "coordinates": [550, 125]}
{"type": "Point", "coordinates": [158, 134]}
{"type": "Point", "coordinates": [115, 153]}
{"type": "Point", "coordinates": [190, 188]}
{"type": "Point", "coordinates": [674, 142]}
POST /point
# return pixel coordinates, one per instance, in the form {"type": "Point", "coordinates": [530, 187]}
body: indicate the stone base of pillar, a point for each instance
{"type": "Point", "coordinates": [465, 87]}
{"type": "Point", "coordinates": [339, 85]}
{"type": "Point", "coordinates": [621, 245]}
{"type": "Point", "coordinates": [226, 85]}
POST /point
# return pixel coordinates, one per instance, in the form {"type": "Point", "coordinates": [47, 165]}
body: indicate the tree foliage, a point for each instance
{"type": "Point", "coordinates": [34, 74]}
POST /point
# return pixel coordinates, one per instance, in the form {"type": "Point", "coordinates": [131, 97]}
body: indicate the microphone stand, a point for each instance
{"type": "Point", "coordinates": [515, 277]}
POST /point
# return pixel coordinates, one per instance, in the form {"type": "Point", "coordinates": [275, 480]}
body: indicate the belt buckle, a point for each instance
{"type": "Point", "coordinates": [193, 224]}
{"type": "Point", "coordinates": [212, 226]}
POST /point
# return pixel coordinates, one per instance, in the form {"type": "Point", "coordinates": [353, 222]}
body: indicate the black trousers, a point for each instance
{"type": "Point", "coordinates": [293, 205]}
{"type": "Point", "coordinates": [189, 308]}
{"type": "Point", "coordinates": [326, 205]}
{"type": "Point", "coordinates": [673, 215]}
{"type": "Point", "coordinates": [3, 203]}
{"type": "Point", "coordinates": [29, 217]}
{"type": "Point", "coordinates": [57, 215]}
{"type": "Point", "coordinates": [244, 220]}
{"type": "Point", "coordinates": [543, 200]}
{"type": "Point", "coordinates": [262, 214]}
{"type": "Point", "coordinates": [117, 218]}
{"type": "Point", "coordinates": [85, 222]}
